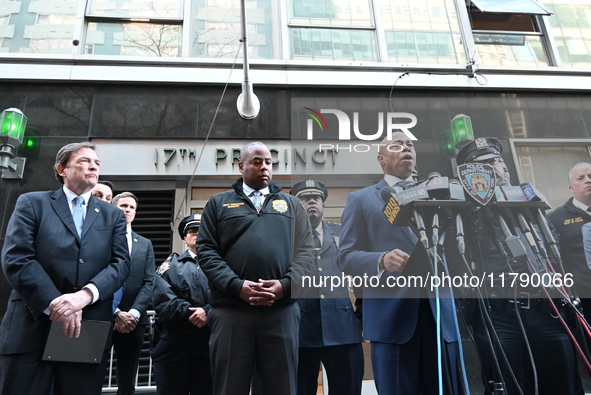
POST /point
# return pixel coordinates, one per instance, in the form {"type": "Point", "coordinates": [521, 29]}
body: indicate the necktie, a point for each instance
{"type": "Point", "coordinates": [317, 243]}
{"type": "Point", "coordinates": [78, 213]}
{"type": "Point", "coordinates": [257, 200]}
{"type": "Point", "coordinates": [398, 186]}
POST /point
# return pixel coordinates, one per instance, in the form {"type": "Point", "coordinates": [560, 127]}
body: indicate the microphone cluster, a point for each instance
{"type": "Point", "coordinates": [436, 202]}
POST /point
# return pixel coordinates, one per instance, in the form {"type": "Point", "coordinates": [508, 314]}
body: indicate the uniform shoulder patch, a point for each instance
{"type": "Point", "coordinates": [163, 268]}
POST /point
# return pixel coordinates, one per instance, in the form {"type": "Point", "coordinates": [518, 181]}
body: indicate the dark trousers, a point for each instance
{"type": "Point", "coordinates": [128, 347]}
{"type": "Point", "coordinates": [265, 338]}
{"type": "Point", "coordinates": [26, 374]}
{"type": "Point", "coordinates": [343, 365]}
{"type": "Point", "coordinates": [551, 347]}
{"type": "Point", "coordinates": [411, 367]}
{"type": "Point", "coordinates": [181, 365]}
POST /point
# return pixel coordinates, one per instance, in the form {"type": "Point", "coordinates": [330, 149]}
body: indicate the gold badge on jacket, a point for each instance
{"type": "Point", "coordinates": [280, 206]}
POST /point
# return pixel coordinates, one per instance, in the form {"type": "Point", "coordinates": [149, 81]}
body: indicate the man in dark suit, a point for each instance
{"type": "Point", "coordinates": [65, 261]}
{"type": "Point", "coordinates": [399, 321]}
{"type": "Point", "coordinates": [130, 316]}
{"type": "Point", "coordinates": [329, 330]}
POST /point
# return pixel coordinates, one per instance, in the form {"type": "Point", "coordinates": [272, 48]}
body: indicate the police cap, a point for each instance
{"type": "Point", "coordinates": [191, 221]}
{"type": "Point", "coordinates": [310, 188]}
{"type": "Point", "coordinates": [481, 149]}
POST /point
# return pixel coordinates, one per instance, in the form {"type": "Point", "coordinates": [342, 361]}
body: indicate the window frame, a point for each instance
{"type": "Point", "coordinates": [515, 143]}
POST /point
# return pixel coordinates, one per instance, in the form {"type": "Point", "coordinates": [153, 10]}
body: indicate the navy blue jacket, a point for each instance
{"type": "Point", "coordinates": [178, 285]}
{"type": "Point", "coordinates": [138, 287]}
{"type": "Point", "coordinates": [390, 314]}
{"type": "Point", "coordinates": [327, 317]}
{"type": "Point", "coordinates": [43, 257]}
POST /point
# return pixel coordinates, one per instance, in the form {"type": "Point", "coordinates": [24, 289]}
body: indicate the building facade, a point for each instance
{"type": "Point", "coordinates": [154, 84]}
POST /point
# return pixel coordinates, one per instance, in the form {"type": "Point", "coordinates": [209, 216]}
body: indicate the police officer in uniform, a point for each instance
{"type": "Point", "coordinates": [552, 351]}
{"type": "Point", "coordinates": [181, 300]}
{"type": "Point", "coordinates": [329, 330]}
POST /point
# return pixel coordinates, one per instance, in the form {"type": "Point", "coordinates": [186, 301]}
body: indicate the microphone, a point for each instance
{"type": "Point", "coordinates": [515, 245]}
{"type": "Point", "coordinates": [543, 225]}
{"type": "Point", "coordinates": [437, 186]}
{"type": "Point", "coordinates": [525, 228]}
{"type": "Point", "coordinates": [412, 191]}
{"type": "Point", "coordinates": [539, 240]}
{"type": "Point", "coordinates": [387, 192]}
{"type": "Point", "coordinates": [435, 232]}
{"type": "Point", "coordinates": [513, 193]}
{"type": "Point", "coordinates": [421, 228]}
{"type": "Point", "coordinates": [533, 194]}
{"type": "Point", "coordinates": [456, 191]}
{"type": "Point", "coordinates": [397, 208]}
{"type": "Point", "coordinates": [460, 234]}
{"type": "Point", "coordinates": [441, 240]}
{"type": "Point", "coordinates": [391, 208]}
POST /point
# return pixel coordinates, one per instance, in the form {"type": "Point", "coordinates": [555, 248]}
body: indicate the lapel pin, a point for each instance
{"type": "Point", "coordinates": [96, 209]}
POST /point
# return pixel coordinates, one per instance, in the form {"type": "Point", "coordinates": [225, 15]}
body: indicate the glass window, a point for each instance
{"type": "Point", "coordinates": [504, 38]}
{"type": "Point", "coordinates": [136, 8]}
{"type": "Point", "coordinates": [331, 12]}
{"type": "Point", "coordinates": [547, 167]}
{"type": "Point", "coordinates": [422, 31]}
{"type": "Point", "coordinates": [133, 39]}
{"type": "Point", "coordinates": [151, 28]}
{"type": "Point", "coordinates": [332, 30]}
{"type": "Point", "coordinates": [29, 26]}
{"type": "Point", "coordinates": [215, 29]}
{"type": "Point", "coordinates": [333, 44]}
{"type": "Point", "coordinates": [571, 26]}
{"type": "Point", "coordinates": [511, 6]}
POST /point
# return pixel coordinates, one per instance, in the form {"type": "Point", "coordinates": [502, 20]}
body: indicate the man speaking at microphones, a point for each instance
{"type": "Point", "coordinates": [399, 321]}
{"type": "Point", "coordinates": [553, 355]}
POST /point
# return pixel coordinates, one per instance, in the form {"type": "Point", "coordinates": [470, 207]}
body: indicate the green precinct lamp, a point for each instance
{"type": "Point", "coordinates": [12, 131]}
{"type": "Point", "coordinates": [461, 128]}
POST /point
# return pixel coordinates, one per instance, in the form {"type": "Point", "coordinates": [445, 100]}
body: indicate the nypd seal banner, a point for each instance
{"type": "Point", "coordinates": [478, 181]}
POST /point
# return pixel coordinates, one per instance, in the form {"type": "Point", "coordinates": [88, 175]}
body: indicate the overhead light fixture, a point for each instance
{"type": "Point", "coordinates": [12, 131]}
{"type": "Point", "coordinates": [461, 128]}
{"type": "Point", "coordinates": [248, 103]}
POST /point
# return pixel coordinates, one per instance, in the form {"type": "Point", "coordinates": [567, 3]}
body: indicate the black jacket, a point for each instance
{"type": "Point", "coordinates": [179, 284]}
{"type": "Point", "coordinates": [566, 223]}
{"type": "Point", "coordinates": [237, 243]}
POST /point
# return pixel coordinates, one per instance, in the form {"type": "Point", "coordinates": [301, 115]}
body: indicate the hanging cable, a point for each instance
{"type": "Point", "coordinates": [457, 329]}
{"type": "Point", "coordinates": [438, 324]}
{"type": "Point", "coordinates": [178, 214]}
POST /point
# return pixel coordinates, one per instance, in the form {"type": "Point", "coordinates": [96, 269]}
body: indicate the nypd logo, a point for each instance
{"type": "Point", "coordinates": [478, 181]}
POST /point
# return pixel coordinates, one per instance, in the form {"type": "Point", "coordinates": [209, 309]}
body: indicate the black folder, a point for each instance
{"type": "Point", "coordinates": [87, 348]}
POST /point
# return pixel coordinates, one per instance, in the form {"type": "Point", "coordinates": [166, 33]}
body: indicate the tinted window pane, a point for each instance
{"type": "Point", "coordinates": [331, 12]}
{"type": "Point", "coordinates": [421, 31]}
{"type": "Point", "coordinates": [136, 8]}
{"type": "Point", "coordinates": [333, 44]}
{"type": "Point", "coordinates": [133, 39]}
{"type": "Point", "coordinates": [215, 29]}
{"type": "Point", "coordinates": [571, 27]}
{"type": "Point", "coordinates": [37, 26]}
